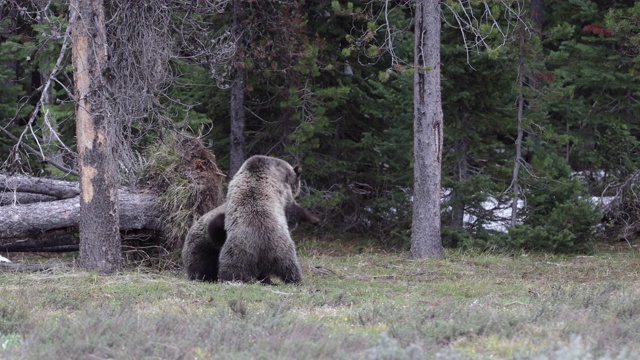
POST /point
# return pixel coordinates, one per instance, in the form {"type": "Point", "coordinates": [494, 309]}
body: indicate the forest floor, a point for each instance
{"type": "Point", "coordinates": [357, 301]}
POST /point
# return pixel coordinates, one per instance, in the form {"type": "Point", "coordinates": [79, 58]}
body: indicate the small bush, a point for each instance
{"type": "Point", "coordinates": [569, 229]}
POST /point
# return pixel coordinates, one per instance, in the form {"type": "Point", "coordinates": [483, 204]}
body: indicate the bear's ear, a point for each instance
{"type": "Point", "coordinates": [298, 170]}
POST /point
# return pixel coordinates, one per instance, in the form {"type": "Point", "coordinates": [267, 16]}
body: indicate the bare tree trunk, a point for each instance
{"type": "Point", "coordinates": [462, 173]}
{"type": "Point", "coordinates": [535, 14]}
{"type": "Point", "coordinates": [100, 247]}
{"type": "Point", "coordinates": [516, 166]}
{"type": "Point", "coordinates": [237, 155]}
{"type": "Point", "coordinates": [427, 132]}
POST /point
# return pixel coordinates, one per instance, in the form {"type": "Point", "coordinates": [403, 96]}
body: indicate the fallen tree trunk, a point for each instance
{"type": "Point", "coordinates": [58, 189]}
{"type": "Point", "coordinates": [53, 225]}
{"type": "Point", "coordinates": [21, 198]}
{"type": "Point", "coordinates": [58, 240]}
{"type": "Point", "coordinates": [138, 211]}
{"type": "Point", "coordinates": [22, 189]}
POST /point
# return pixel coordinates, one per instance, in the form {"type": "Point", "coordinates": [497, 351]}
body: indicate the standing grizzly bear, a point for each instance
{"type": "Point", "coordinates": [206, 237]}
{"type": "Point", "coordinates": [258, 241]}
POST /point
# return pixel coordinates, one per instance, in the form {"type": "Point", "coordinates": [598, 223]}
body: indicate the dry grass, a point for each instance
{"type": "Point", "coordinates": [356, 302]}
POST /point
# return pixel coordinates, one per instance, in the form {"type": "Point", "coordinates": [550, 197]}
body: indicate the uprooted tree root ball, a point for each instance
{"type": "Point", "coordinates": [185, 174]}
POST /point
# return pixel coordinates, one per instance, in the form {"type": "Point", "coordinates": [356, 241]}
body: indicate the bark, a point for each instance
{"type": "Point", "coordinates": [22, 198]}
{"type": "Point", "coordinates": [237, 122]}
{"type": "Point", "coordinates": [27, 184]}
{"type": "Point", "coordinates": [427, 131]}
{"type": "Point", "coordinates": [515, 181]}
{"type": "Point", "coordinates": [100, 247]}
{"type": "Point", "coordinates": [22, 189]}
{"type": "Point", "coordinates": [462, 174]}
{"type": "Point", "coordinates": [535, 14]}
{"type": "Point", "coordinates": [236, 152]}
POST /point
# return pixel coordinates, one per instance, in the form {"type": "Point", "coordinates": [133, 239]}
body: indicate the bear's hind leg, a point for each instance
{"type": "Point", "coordinates": [240, 267]}
{"type": "Point", "coordinates": [289, 271]}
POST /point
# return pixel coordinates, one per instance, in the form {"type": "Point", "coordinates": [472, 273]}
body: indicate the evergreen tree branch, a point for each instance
{"type": "Point", "coordinates": [41, 102]}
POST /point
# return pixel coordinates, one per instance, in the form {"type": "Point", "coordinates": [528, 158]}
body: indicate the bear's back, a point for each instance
{"type": "Point", "coordinates": [257, 197]}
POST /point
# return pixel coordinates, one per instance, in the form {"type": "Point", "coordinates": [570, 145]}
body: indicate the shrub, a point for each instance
{"type": "Point", "coordinates": [570, 228]}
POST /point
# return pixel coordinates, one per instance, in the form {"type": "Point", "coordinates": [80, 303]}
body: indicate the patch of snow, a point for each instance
{"type": "Point", "coordinates": [502, 214]}
{"type": "Point", "coordinates": [602, 201]}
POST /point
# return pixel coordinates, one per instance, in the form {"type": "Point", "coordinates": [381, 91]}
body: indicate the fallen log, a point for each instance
{"type": "Point", "coordinates": [22, 189]}
{"type": "Point", "coordinates": [22, 198]}
{"type": "Point", "coordinates": [58, 240]}
{"type": "Point", "coordinates": [53, 225]}
{"type": "Point", "coordinates": [59, 189]}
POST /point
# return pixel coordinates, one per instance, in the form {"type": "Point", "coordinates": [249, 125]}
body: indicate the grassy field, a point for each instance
{"type": "Point", "coordinates": [356, 302]}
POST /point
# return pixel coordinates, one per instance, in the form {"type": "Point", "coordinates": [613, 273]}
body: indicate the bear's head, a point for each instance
{"type": "Point", "coordinates": [273, 168]}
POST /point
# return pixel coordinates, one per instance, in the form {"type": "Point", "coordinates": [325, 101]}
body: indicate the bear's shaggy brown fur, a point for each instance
{"type": "Point", "coordinates": [202, 246]}
{"type": "Point", "coordinates": [258, 240]}
{"type": "Point", "coordinates": [207, 235]}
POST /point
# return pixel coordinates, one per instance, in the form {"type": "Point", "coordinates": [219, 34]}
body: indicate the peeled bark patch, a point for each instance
{"type": "Point", "coordinates": [86, 180]}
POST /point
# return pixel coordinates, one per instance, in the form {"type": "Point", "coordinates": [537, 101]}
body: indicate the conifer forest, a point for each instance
{"type": "Point", "coordinates": [539, 103]}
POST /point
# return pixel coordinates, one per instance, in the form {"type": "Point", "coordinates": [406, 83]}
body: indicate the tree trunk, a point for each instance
{"type": "Point", "coordinates": [462, 173]}
{"type": "Point", "coordinates": [237, 155]}
{"type": "Point", "coordinates": [535, 14]}
{"type": "Point", "coordinates": [515, 182]}
{"type": "Point", "coordinates": [100, 247]}
{"type": "Point", "coordinates": [427, 132]}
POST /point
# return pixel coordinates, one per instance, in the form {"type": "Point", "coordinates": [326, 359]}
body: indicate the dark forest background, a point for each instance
{"type": "Point", "coordinates": [329, 85]}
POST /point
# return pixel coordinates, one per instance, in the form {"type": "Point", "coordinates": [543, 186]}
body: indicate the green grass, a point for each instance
{"type": "Point", "coordinates": [356, 302]}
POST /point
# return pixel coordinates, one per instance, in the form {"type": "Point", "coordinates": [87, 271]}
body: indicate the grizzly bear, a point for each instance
{"type": "Point", "coordinates": [202, 246]}
{"type": "Point", "coordinates": [258, 240]}
{"type": "Point", "coordinates": [207, 235]}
